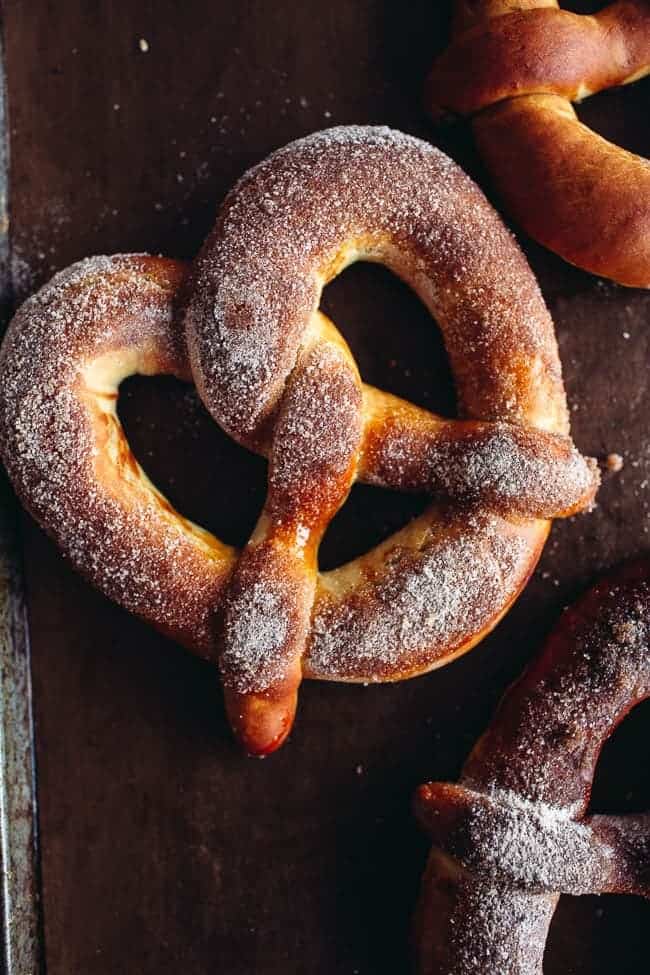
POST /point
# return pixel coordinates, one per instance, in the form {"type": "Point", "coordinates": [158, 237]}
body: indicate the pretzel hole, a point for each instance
{"type": "Point", "coordinates": [598, 936]}
{"type": "Point", "coordinates": [601, 935]}
{"type": "Point", "coordinates": [368, 517]}
{"type": "Point", "coordinates": [397, 344]}
{"type": "Point", "coordinates": [622, 779]}
{"type": "Point", "coordinates": [204, 473]}
{"type": "Point", "coordinates": [620, 115]}
{"type": "Point", "coordinates": [398, 347]}
{"type": "Point", "coordinates": [584, 6]}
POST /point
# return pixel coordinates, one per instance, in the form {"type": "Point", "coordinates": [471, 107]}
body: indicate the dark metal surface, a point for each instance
{"type": "Point", "coordinates": [163, 849]}
{"type": "Point", "coordinates": [20, 932]}
{"type": "Point", "coordinates": [19, 893]}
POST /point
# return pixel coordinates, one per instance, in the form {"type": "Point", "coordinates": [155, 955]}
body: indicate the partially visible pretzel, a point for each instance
{"type": "Point", "coordinates": [515, 66]}
{"type": "Point", "coordinates": [514, 833]}
{"type": "Point", "coordinates": [279, 377]}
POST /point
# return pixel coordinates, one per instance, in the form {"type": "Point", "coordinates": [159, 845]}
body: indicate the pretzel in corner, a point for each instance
{"type": "Point", "coordinates": [514, 834]}
{"type": "Point", "coordinates": [515, 67]}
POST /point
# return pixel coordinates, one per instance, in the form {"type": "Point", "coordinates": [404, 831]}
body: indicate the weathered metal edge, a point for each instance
{"type": "Point", "coordinates": [20, 906]}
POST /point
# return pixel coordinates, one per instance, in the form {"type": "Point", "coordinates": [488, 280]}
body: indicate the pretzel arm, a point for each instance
{"type": "Point", "coordinates": [471, 928]}
{"type": "Point", "coordinates": [268, 609]}
{"type": "Point", "coordinates": [594, 211]}
{"type": "Point", "coordinates": [511, 470]}
{"type": "Point", "coordinates": [534, 848]}
{"type": "Point", "coordinates": [594, 669]}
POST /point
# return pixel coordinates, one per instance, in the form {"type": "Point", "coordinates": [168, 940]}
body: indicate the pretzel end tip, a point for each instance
{"type": "Point", "coordinates": [261, 723]}
{"type": "Point", "coordinates": [424, 800]}
{"type": "Point", "coordinates": [593, 480]}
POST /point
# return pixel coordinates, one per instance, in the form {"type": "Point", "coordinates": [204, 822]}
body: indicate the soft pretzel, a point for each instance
{"type": "Point", "coordinates": [279, 378]}
{"type": "Point", "coordinates": [515, 66]}
{"type": "Point", "coordinates": [514, 834]}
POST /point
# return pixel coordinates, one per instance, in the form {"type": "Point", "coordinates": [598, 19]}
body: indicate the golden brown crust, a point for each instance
{"type": "Point", "coordinates": [601, 218]}
{"type": "Point", "coordinates": [542, 51]}
{"type": "Point", "coordinates": [516, 72]}
{"type": "Point", "coordinates": [425, 595]}
{"type": "Point", "coordinates": [513, 834]}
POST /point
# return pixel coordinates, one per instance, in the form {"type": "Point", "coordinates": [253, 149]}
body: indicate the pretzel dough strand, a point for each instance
{"type": "Point", "coordinates": [316, 442]}
{"type": "Point", "coordinates": [513, 835]}
{"type": "Point", "coordinates": [510, 469]}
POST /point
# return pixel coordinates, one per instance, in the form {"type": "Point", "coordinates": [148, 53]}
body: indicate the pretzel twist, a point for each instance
{"type": "Point", "coordinates": [278, 376]}
{"type": "Point", "coordinates": [515, 67]}
{"type": "Point", "coordinates": [513, 834]}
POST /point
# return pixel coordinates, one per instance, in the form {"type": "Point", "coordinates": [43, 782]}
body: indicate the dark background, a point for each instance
{"type": "Point", "coordinates": [163, 848]}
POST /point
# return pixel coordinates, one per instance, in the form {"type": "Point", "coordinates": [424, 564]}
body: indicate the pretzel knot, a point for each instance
{"type": "Point", "coordinates": [515, 66]}
{"type": "Point", "coordinates": [279, 378]}
{"type": "Point", "coordinates": [514, 834]}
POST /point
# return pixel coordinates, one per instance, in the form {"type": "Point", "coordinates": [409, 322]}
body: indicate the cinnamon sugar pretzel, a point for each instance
{"type": "Point", "coordinates": [515, 66]}
{"type": "Point", "coordinates": [513, 834]}
{"type": "Point", "coordinates": [279, 378]}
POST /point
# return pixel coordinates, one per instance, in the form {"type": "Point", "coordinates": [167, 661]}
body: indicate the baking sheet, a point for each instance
{"type": "Point", "coordinates": [162, 848]}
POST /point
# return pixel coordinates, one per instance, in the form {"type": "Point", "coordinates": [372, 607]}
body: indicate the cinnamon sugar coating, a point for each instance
{"type": "Point", "coordinates": [514, 834]}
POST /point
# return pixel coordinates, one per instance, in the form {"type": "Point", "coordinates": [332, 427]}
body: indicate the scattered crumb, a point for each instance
{"type": "Point", "coordinates": [143, 45]}
{"type": "Point", "coordinates": [626, 335]}
{"type": "Point", "coordinates": [614, 463]}
{"type": "Point", "coordinates": [304, 103]}
{"type": "Point", "coordinates": [359, 770]}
